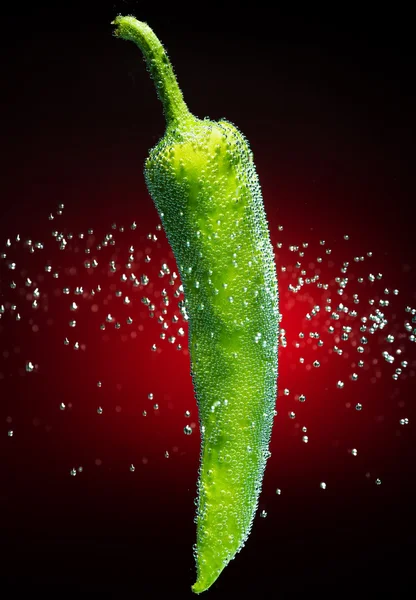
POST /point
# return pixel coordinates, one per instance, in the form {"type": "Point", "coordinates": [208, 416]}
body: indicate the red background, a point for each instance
{"type": "Point", "coordinates": [327, 105]}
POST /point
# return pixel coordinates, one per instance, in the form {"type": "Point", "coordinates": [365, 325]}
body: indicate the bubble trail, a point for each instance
{"type": "Point", "coordinates": [339, 311]}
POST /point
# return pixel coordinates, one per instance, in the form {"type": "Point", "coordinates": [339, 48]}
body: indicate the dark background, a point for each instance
{"type": "Point", "coordinates": [327, 103]}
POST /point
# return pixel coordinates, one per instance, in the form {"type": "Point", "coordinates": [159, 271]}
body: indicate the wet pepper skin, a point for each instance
{"type": "Point", "coordinates": [204, 185]}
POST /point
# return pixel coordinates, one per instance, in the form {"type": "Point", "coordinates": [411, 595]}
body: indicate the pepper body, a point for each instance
{"type": "Point", "coordinates": [203, 182]}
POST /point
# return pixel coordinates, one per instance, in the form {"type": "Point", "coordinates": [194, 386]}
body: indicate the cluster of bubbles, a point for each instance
{"type": "Point", "coordinates": [350, 318]}
{"type": "Point", "coordinates": [23, 294]}
{"type": "Point", "coordinates": [361, 326]}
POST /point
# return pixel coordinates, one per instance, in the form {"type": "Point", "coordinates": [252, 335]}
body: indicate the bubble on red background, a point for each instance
{"type": "Point", "coordinates": [102, 306]}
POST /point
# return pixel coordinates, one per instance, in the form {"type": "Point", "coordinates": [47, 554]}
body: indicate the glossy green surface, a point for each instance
{"type": "Point", "coordinates": [203, 182]}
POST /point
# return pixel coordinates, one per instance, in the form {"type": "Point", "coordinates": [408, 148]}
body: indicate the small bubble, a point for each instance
{"type": "Point", "coordinates": [187, 430]}
{"type": "Point", "coordinates": [99, 410]}
{"type": "Point", "coordinates": [132, 468]}
{"type": "Point", "coordinates": [263, 514]}
{"type": "Point", "coordinates": [278, 491]}
{"type": "Point", "coordinates": [358, 406]}
{"type": "Point", "coordinates": [322, 485]}
{"type": "Point", "coordinates": [378, 481]}
{"type": "Point", "coordinates": [354, 451]}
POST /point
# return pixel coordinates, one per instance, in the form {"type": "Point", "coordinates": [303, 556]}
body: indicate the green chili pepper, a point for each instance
{"type": "Point", "coordinates": [204, 185]}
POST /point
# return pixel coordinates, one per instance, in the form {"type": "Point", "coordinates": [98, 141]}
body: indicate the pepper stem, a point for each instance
{"type": "Point", "coordinates": [158, 64]}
